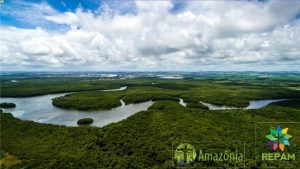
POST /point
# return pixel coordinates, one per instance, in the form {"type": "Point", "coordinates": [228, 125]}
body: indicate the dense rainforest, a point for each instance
{"type": "Point", "coordinates": [147, 138]}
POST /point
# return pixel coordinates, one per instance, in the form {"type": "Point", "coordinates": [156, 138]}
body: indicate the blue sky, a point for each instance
{"type": "Point", "coordinates": [62, 6]}
{"type": "Point", "coordinates": [150, 35]}
{"type": "Point", "coordinates": [121, 6]}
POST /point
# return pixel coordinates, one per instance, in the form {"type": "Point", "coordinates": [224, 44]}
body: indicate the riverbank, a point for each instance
{"type": "Point", "coordinates": [143, 140]}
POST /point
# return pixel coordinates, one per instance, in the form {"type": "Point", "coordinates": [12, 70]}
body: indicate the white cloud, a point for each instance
{"type": "Point", "coordinates": [154, 6]}
{"type": "Point", "coordinates": [65, 18]}
{"type": "Point", "coordinates": [202, 36]}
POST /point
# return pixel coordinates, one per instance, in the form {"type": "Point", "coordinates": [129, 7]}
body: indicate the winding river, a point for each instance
{"type": "Point", "coordinates": [253, 104]}
{"type": "Point", "coordinates": [40, 109]}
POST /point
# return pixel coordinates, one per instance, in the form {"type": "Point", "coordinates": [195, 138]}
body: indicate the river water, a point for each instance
{"type": "Point", "coordinates": [253, 104]}
{"type": "Point", "coordinates": [40, 109]}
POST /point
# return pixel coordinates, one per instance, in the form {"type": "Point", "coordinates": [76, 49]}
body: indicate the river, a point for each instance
{"type": "Point", "coordinates": [41, 110]}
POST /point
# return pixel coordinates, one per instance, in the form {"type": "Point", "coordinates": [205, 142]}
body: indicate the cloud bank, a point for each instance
{"type": "Point", "coordinates": [156, 35]}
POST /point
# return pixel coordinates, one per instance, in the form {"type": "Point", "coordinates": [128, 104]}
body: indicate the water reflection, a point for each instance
{"type": "Point", "coordinates": [40, 109]}
{"type": "Point", "coordinates": [253, 104]}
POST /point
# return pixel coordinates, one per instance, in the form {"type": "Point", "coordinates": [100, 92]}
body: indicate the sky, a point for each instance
{"type": "Point", "coordinates": [157, 35]}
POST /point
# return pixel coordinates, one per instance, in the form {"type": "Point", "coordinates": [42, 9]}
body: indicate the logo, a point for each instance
{"type": "Point", "coordinates": [185, 154]}
{"type": "Point", "coordinates": [278, 141]}
{"type": "Point", "coordinates": [278, 138]}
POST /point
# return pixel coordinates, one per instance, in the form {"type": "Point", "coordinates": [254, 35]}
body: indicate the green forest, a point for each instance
{"type": "Point", "coordinates": [146, 139]}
